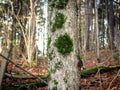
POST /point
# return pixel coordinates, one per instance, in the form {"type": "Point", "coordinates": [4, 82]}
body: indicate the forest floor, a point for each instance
{"type": "Point", "coordinates": [105, 81]}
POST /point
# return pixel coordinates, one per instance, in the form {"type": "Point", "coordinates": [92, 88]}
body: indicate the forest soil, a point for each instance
{"type": "Point", "coordinates": [106, 81]}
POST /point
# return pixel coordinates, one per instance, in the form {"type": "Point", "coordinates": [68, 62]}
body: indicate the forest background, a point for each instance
{"type": "Point", "coordinates": [25, 27]}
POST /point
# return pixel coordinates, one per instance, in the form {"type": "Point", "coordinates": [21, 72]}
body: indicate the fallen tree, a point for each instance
{"type": "Point", "coordinates": [102, 69]}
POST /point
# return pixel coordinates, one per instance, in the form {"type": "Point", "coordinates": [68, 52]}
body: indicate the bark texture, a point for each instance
{"type": "Point", "coordinates": [64, 76]}
{"type": "Point", "coordinates": [3, 68]}
{"type": "Point", "coordinates": [88, 11]}
{"type": "Point", "coordinates": [111, 23]}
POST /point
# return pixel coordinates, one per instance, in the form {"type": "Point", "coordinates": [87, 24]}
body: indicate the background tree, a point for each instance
{"type": "Point", "coordinates": [88, 13]}
{"type": "Point", "coordinates": [28, 31]}
{"type": "Point", "coordinates": [111, 23]}
{"type": "Point", "coordinates": [97, 31]}
{"type": "Point", "coordinates": [22, 16]}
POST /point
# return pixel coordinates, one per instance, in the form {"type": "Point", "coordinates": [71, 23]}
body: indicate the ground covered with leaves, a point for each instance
{"type": "Point", "coordinates": [110, 80]}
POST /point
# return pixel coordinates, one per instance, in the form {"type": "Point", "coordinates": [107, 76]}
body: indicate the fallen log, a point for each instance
{"type": "Point", "coordinates": [102, 69]}
{"type": "Point", "coordinates": [42, 76]}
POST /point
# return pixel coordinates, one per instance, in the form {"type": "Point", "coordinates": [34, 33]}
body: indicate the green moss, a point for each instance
{"type": "Point", "coordinates": [53, 29]}
{"type": "Point", "coordinates": [43, 75]}
{"type": "Point", "coordinates": [50, 55]}
{"type": "Point", "coordinates": [58, 64]}
{"type": "Point", "coordinates": [80, 57]}
{"type": "Point", "coordinates": [54, 87]}
{"type": "Point", "coordinates": [66, 77]}
{"type": "Point", "coordinates": [55, 82]}
{"type": "Point", "coordinates": [64, 44]}
{"type": "Point", "coordinates": [59, 4]}
{"type": "Point", "coordinates": [84, 72]}
{"type": "Point", "coordinates": [59, 21]}
{"type": "Point", "coordinates": [52, 70]}
{"type": "Point", "coordinates": [48, 42]}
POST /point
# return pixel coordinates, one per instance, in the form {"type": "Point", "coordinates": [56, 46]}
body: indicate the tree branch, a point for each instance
{"type": "Point", "coordinates": [5, 58]}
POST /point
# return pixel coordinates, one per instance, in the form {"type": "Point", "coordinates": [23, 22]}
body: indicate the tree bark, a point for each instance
{"type": "Point", "coordinates": [97, 32]}
{"type": "Point", "coordinates": [88, 11]}
{"type": "Point", "coordinates": [111, 23]}
{"type": "Point", "coordinates": [3, 68]}
{"type": "Point", "coordinates": [66, 77]}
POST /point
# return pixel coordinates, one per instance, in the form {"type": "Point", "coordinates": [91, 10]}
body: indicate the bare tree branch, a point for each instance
{"type": "Point", "coordinates": [5, 58]}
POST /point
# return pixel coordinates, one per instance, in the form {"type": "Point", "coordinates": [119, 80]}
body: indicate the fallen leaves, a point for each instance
{"type": "Point", "coordinates": [95, 82]}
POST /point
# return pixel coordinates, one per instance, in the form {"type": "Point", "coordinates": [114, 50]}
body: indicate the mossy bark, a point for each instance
{"type": "Point", "coordinates": [102, 69]}
{"type": "Point", "coordinates": [64, 76]}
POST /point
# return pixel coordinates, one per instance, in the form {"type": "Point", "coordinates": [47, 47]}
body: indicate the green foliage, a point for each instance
{"type": "Point", "coordinates": [59, 4]}
{"type": "Point", "coordinates": [64, 44]}
{"type": "Point", "coordinates": [115, 56]}
{"type": "Point", "coordinates": [59, 21]}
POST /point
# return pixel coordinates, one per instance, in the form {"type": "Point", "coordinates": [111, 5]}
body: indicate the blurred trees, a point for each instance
{"type": "Point", "coordinates": [18, 27]}
{"type": "Point", "coordinates": [108, 24]}
{"type": "Point", "coordinates": [98, 22]}
{"type": "Point", "coordinates": [18, 20]}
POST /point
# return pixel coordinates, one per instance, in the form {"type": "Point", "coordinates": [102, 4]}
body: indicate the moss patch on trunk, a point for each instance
{"type": "Point", "coordinates": [64, 44]}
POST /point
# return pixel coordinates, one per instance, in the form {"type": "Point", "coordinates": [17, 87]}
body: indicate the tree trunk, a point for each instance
{"type": "Point", "coordinates": [30, 46]}
{"type": "Point", "coordinates": [97, 32]}
{"type": "Point", "coordinates": [88, 11]}
{"type": "Point", "coordinates": [63, 67]}
{"type": "Point", "coordinates": [117, 43]}
{"type": "Point", "coordinates": [111, 23]}
{"type": "Point", "coordinates": [3, 68]}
